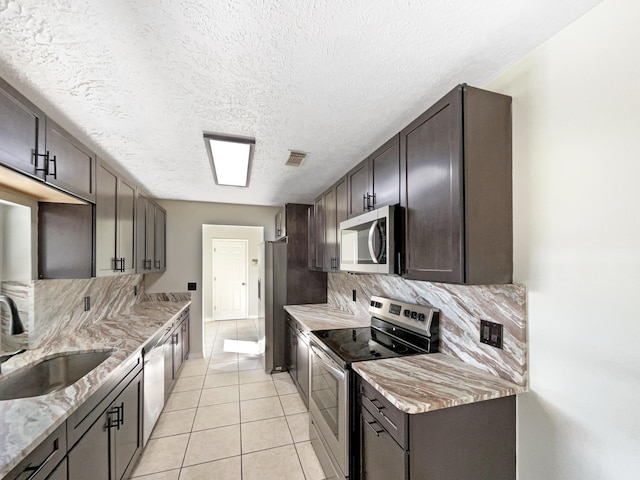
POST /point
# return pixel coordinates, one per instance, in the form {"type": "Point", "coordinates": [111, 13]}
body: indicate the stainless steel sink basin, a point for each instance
{"type": "Point", "coordinates": [51, 374]}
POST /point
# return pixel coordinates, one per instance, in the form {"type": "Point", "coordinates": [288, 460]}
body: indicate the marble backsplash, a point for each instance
{"type": "Point", "coordinates": [49, 308]}
{"type": "Point", "coordinates": [461, 309]}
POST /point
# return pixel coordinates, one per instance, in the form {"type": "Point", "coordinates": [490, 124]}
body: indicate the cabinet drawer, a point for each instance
{"type": "Point", "coordinates": [42, 461]}
{"type": "Point", "coordinates": [392, 419]}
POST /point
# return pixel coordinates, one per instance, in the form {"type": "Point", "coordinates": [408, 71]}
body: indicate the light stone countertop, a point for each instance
{"type": "Point", "coordinates": [422, 383]}
{"type": "Point", "coordinates": [26, 422]}
{"type": "Point", "coordinates": [324, 316]}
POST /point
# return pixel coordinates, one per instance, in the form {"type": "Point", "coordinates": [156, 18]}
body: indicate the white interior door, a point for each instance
{"type": "Point", "coordinates": [229, 279]}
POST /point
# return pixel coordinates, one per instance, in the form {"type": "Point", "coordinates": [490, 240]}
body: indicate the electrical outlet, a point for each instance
{"type": "Point", "coordinates": [491, 333]}
{"type": "Point", "coordinates": [87, 304]}
{"type": "Point", "coordinates": [191, 286]}
{"type": "Point", "coordinates": [353, 295]}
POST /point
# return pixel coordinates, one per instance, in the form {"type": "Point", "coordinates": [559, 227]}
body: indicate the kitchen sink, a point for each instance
{"type": "Point", "coordinates": [50, 375]}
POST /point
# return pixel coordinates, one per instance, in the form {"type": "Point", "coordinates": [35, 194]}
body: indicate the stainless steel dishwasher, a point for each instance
{"type": "Point", "coordinates": [153, 393]}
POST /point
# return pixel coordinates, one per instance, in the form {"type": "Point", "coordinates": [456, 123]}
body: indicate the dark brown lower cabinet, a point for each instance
{"type": "Point", "coordinates": [108, 449]}
{"type": "Point", "coordinates": [476, 441]}
{"type": "Point", "coordinates": [60, 473]}
{"type": "Point", "coordinates": [176, 350]}
{"type": "Point", "coordinates": [297, 353]}
{"type": "Point", "coordinates": [41, 463]}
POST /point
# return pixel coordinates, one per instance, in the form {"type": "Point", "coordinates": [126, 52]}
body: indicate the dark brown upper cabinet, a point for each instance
{"type": "Point", "coordinates": [70, 166]}
{"type": "Point", "coordinates": [115, 223]}
{"type": "Point", "coordinates": [316, 253]}
{"type": "Point", "coordinates": [457, 190]}
{"type": "Point", "coordinates": [151, 227]}
{"type": "Point", "coordinates": [335, 204]}
{"type": "Point", "coordinates": [22, 132]}
{"type": "Point", "coordinates": [375, 182]}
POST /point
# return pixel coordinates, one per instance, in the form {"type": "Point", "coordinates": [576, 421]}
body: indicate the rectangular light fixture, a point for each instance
{"type": "Point", "coordinates": [230, 158]}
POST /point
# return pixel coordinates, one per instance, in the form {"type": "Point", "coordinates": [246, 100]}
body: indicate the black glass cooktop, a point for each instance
{"type": "Point", "coordinates": [365, 343]}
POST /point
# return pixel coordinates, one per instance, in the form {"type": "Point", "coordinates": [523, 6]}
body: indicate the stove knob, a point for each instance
{"type": "Point", "coordinates": [414, 315]}
{"type": "Point", "coordinates": [421, 317]}
{"type": "Point", "coordinates": [407, 313]}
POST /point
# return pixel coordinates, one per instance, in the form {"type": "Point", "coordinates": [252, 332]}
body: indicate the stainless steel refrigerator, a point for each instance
{"type": "Point", "coordinates": [287, 281]}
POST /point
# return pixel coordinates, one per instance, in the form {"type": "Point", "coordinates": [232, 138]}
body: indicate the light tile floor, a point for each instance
{"type": "Point", "coordinates": [226, 419]}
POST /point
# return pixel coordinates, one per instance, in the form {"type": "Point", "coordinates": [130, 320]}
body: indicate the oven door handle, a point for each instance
{"type": "Point", "coordinates": [327, 362]}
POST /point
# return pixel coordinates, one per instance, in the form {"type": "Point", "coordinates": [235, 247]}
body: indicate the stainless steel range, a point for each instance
{"type": "Point", "coordinates": [397, 329]}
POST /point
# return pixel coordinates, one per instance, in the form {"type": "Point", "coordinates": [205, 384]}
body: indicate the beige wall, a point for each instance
{"type": "Point", "coordinates": [254, 237]}
{"type": "Point", "coordinates": [184, 248]}
{"type": "Point", "coordinates": [576, 127]}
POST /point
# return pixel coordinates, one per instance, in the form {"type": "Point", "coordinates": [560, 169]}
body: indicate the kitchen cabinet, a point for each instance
{"type": "Point", "coordinates": [330, 210]}
{"type": "Point", "coordinates": [476, 440]}
{"type": "Point", "coordinates": [105, 433]}
{"type": "Point", "coordinates": [115, 223]}
{"type": "Point", "coordinates": [375, 182]}
{"type": "Point", "coordinates": [65, 240]}
{"type": "Point", "coordinates": [151, 233]}
{"type": "Point", "coordinates": [298, 357]}
{"type": "Point", "coordinates": [176, 350]}
{"type": "Point", "coordinates": [316, 233]}
{"type": "Point", "coordinates": [46, 461]}
{"type": "Point", "coordinates": [22, 132]}
{"type": "Point", "coordinates": [69, 165]}
{"type": "Point", "coordinates": [456, 190]}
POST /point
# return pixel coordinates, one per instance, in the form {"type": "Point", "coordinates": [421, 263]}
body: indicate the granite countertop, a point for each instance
{"type": "Point", "coordinates": [324, 316]}
{"type": "Point", "coordinates": [422, 383]}
{"type": "Point", "coordinates": [26, 422]}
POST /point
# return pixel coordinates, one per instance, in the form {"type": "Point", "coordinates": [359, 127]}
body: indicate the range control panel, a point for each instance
{"type": "Point", "coordinates": [412, 316]}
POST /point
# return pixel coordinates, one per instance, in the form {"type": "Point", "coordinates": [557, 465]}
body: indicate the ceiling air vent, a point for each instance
{"type": "Point", "coordinates": [295, 158]}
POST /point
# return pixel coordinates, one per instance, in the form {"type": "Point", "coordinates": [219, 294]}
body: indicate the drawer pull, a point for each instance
{"type": "Point", "coordinates": [38, 468]}
{"type": "Point", "coordinates": [375, 430]}
{"type": "Point", "coordinates": [379, 407]}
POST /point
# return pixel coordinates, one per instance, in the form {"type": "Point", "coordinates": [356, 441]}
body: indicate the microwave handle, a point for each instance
{"type": "Point", "coordinates": [372, 232]}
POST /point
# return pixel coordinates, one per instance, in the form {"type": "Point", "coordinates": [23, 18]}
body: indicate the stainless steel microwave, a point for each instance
{"type": "Point", "coordinates": [369, 242]}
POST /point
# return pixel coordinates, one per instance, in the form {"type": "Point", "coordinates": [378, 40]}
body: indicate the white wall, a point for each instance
{"type": "Point", "coordinates": [254, 237]}
{"type": "Point", "coordinates": [184, 249]}
{"type": "Point", "coordinates": [18, 237]}
{"type": "Point", "coordinates": [576, 131]}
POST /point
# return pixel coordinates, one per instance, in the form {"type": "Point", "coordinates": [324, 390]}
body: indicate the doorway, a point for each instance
{"type": "Point", "coordinates": [254, 236]}
{"type": "Point", "coordinates": [230, 279]}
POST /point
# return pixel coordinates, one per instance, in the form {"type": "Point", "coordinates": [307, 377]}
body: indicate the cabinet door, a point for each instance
{"type": "Point", "coordinates": [128, 438]}
{"type": "Point", "coordinates": [381, 458]}
{"type": "Point", "coordinates": [319, 237]}
{"type": "Point", "coordinates": [330, 230]}
{"type": "Point", "coordinates": [168, 367]}
{"type": "Point", "coordinates": [359, 186]}
{"type": "Point", "coordinates": [302, 364]}
{"type": "Point", "coordinates": [431, 155]}
{"type": "Point", "coordinates": [141, 235]}
{"type": "Point", "coordinates": [291, 353]}
{"type": "Point", "coordinates": [126, 225]}
{"type": "Point", "coordinates": [89, 458]}
{"type": "Point", "coordinates": [150, 231]}
{"type": "Point", "coordinates": [178, 356]}
{"type": "Point", "coordinates": [72, 166]}
{"type": "Point", "coordinates": [22, 132]}
{"type": "Point", "coordinates": [185, 338]}
{"type": "Point", "coordinates": [160, 253]}
{"type": "Point", "coordinates": [385, 173]}
{"type": "Point", "coordinates": [106, 222]}
{"type": "Point", "coordinates": [342, 202]}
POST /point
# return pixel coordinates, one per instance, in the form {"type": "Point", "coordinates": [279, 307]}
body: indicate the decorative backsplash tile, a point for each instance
{"type": "Point", "coordinates": [461, 309]}
{"type": "Point", "coordinates": [52, 307]}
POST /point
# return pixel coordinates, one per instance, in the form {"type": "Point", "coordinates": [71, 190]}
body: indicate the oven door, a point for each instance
{"type": "Point", "coordinates": [328, 405]}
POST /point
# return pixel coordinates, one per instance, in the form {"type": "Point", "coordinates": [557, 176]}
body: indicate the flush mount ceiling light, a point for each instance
{"type": "Point", "coordinates": [230, 158]}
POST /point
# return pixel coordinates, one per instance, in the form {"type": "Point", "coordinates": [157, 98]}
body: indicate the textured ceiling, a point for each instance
{"type": "Point", "coordinates": [140, 80]}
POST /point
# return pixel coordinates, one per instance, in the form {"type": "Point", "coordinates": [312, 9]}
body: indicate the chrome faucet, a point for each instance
{"type": "Point", "coordinates": [15, 326]}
